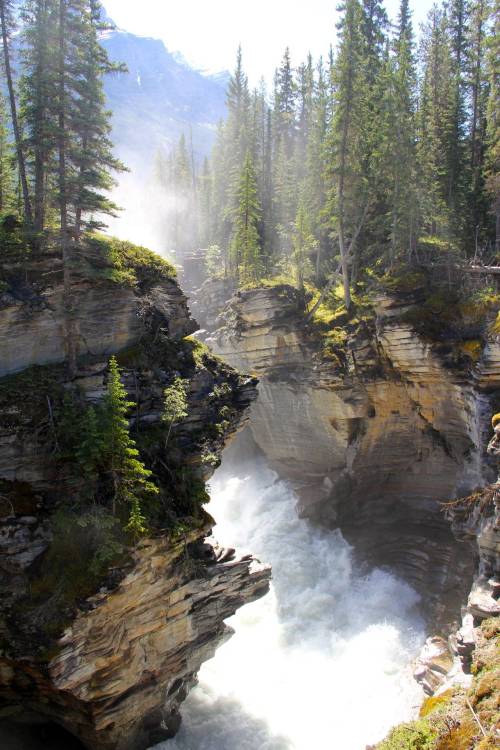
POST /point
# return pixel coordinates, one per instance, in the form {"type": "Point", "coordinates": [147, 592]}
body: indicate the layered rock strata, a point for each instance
{"type": "Point", "coordinates": [129, 658]}
{"type": "Point", "coordinates": [375, 433]}
{"type": "Point", "coordinates": [112, 666]}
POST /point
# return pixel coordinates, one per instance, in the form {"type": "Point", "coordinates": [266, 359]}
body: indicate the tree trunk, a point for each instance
{"type": "Point", "coordinates": [40, 151]}
{"type": "Point", "coordinates": [15, 123]}
{"type": "Point", "coordinates": [70, 335]}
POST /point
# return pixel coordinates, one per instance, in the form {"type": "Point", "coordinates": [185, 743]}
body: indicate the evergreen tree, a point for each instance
{"type": "Point", "coordinates": [246, 260]}
{"type": "Point", "coordinates": [314, 193]}
{"type": "Point", "coordinates": [38, 83]}
{"type": "Point", "coordinates": [304, 244]}
{"type": "Point", "coordinates": [7, 173]}
{"type": "Point", "coordinates": [174, 404]}
{"type": "Point", "coordinates": [479, 83]}
{"type": "Point", "coordinates": [92, 155]}
{"type": "Point", "coordinates": [436, 127]}
{"type": "Point", "coordinates": [403, 164]}
{"type": "Point", "coordinates": [284, 134]}
{"type": "Point", "coordinates": [492, 156]}
{"type": "Point", "coordinates": [238, 120]}
{"type": "Point", "coordinates": [129, 477]}
{"type": "Point", "coordinates": [458, 13]}
{"type": "Point", "coordinates": [7, 26]}
{"type": "Point", "coordinates": [348, 198]}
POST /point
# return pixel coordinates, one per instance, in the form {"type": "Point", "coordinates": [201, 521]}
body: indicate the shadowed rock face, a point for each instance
{"type": "Point", "coordinates": [374, 442]}
{"type": "Point", "coordinates": [129, 654]}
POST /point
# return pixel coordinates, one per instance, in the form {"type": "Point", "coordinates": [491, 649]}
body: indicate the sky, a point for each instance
{"type": "Point", "coordinates": [207, 32]}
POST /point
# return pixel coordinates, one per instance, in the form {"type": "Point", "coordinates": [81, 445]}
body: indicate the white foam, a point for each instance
{"type": "Point", "coordinates": [322, 662]}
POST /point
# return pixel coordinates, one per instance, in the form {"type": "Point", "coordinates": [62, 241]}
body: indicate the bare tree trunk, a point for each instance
{"type": "Point", "coordinates": [70, 337]}
{"type": "Point", "coordinates": [15, 122]}
{"type": "Point", "coordinates": [40, 150]}
{"type": "Point", "coordinates": [336, 275]}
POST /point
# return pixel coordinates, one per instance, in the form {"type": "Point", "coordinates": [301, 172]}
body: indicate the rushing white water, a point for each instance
{"type": "Point", "coordinates": [323, 661]}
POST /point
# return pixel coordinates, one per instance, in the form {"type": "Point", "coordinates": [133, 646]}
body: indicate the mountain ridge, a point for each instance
{"type": "Point", "coordinates": [158, 99]}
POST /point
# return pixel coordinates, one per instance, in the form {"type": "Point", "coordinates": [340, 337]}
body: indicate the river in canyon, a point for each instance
{"type": "Point", "coordinates": [321, 663]}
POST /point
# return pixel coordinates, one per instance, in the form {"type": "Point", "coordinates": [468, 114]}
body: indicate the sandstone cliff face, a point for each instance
{"type": "Point", "coordinates": [109, 314]}
{"type": "Point", "coordinates": [375, 438]}
{"type": "Point", "coordinates": [126, 662]}
{"type": "Point", "coordinates": [112, 667]}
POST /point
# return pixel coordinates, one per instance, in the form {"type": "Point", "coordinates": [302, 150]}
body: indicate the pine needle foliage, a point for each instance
{"type": "Point", "coordinates": [130, 478]}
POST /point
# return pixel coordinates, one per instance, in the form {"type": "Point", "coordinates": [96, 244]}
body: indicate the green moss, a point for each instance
{"type": "Point", "coordinates": [197, 350]}
{"type": "Point", "coordinates": [435, 703]}
{"type": "Point", "coordinates": [417, 735]}
{"type": "Point", "coordinates": [269, 282]}
{"type": "Point", "coordinates": [124, 263]}
{"type": "Point", "coordinates": [403, 280]}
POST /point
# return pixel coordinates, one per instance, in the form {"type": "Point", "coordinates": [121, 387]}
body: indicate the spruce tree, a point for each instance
{"type": "Point", "coordinates": [246, 260]}
{"type": "Point", "coordinates": [348, 198]}
{"type": "Point", "coordinates": [92, 151]}
{"type": "Point", "coordinates": [436, 127]}
{"type": "Point", "coordinates": [304, 244]}
{"type": "Point", "coordinates": [7, 172]}
{"type": "Point", "coordinates": [7, 26]}
{"type": "Point", "coordinates": [479, 84]}
{"type": "Point", "coordinates": [492, 154]}
{"type": "Point", "coordinates": [38, 83]}
{"type": "Point", "coordinates": [129, 478]}
{"type": "Point", "coordinates": [403, 200]}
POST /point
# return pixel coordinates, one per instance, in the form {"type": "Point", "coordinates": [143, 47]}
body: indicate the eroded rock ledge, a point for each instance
{"type": "Point", "coordinates": [126, 663]}
{"type": "Point", "coordinates": [112, 664]}
{"type": "Point", "coordinates": [375, 434]}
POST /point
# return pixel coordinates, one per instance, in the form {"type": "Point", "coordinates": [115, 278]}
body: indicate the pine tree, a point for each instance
{"type": "Point", "coordinates": [492, 156]}
{"type": "Point", "coordinates": [37, 84]}
{"type": "Point", "coordinates": [92, 154]}
{"type": "Point", "coordinates": [348, 198]}
{"type": "Point", "coordinates": [304, 244]}
{"type": "Point", "coordinates": [284, 135]}
{"type": "Point", "coordinates": [246, 260]}
{"type": "Point", "coordinates": [129, 477]}
{"type": "Point", "coordinates": [7, 25]}
{"type": "Point", "coordinates": [206, 219]}
{"type": "Point", "coordinates": [314, 193]}
{"type": "Point", "coordinates": [238, 119]}
{"type": "Point", "coordinates": [7, 173]}
{"type": "Point", "coordinates": [436, 127]}
{"type": "Point", "coordinates": [403, 167]}
{"type": "Point", "coordinates": [174, 404]}
{"type": "Point", "coordinates": [479, 84]}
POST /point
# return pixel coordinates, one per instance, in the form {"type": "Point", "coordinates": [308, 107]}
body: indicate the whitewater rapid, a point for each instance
{"type": "Point", "coordinates": [323, 661]}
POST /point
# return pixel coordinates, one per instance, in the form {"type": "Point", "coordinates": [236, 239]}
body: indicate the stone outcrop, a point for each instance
{"type": "Point", "coordinates": [110, 315]}
{"type": "Point", "coordinates": [376, 433]}
{"type": "Point", "coordinates": [112, 666]}
{"type": "Point", "coordinates": [126, 662]}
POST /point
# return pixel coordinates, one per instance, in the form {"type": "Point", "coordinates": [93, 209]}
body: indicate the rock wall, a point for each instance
{"type": "Point", "coordinates": [117, 668]}
{"type": "Point", "coordinates": [375, 437]}
{"type": "Point", "coordinates": [108, 320]}
{"type": "Point", "coordinates": [128, 660]}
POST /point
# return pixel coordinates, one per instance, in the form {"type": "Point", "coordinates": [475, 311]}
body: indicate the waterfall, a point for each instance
{"type": "Point", "coordinates": [323, 661]}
